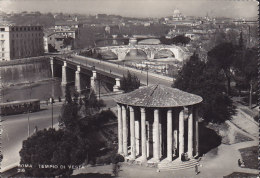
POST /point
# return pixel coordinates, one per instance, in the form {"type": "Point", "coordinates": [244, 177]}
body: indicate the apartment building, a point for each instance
{"type": "Point", "coordinates": [20, 42]}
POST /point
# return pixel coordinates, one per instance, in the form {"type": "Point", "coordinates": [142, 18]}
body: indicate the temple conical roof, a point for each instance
{"type": "Point", "coordinates": [158, 96]}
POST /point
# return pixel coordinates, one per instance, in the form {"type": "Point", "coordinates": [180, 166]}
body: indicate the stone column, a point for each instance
{"type": "Point", "coordinates": [132, 132]}
{"type": "Point", "coordinates": [196, 130]}
{"type": "Point", "coordinates": [143, 133]}
{"type": "Point", "coordinates": [64, 74]}
{"type": "Point", "coordinates": [190, 133]}
{"type": "Point", "coordinates": [121, 55]}
{"type": "Point", "coordinates": [160, 138]}
{"type": "Point", "coordinates": [169, 135]}
{"type": "Point", "coordinates": [93, 80]}
{"type": "Point", "coordinates": [120, 133]}
{"type": "Point", "coordinates": [137, 137]}
{"type": "Point", "coordinates": [150, 54]}
{"type": "Point", "coordinates": [148, 139]}
{"type": "Point", "coordinates": [156, 148]}
{"type": "Point", "coordinates": [116, 87]}
{"type": "Point", "coordinates": [124, 131]}
{"type": "Point", "coordinates": [181, 133]}
{"type": "Point", "coordinates": [175, 132]}
{"type": "Point", "coordinates": [77, 79]}
{"type": "Point", "coordinates": [52, 66]}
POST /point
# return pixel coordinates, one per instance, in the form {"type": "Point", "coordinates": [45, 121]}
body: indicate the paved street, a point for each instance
{"type": "Point", "coordinates": [15, 130]}
{"type": "Point", "coordinates": [121, 70]}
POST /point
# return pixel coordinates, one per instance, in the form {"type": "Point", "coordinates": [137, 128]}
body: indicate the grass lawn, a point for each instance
{"type": "Point", "coordinates": [249, 156]}
{"type": "Point", "coordinates": [241, 175]}
{"type": "Point", "coordinates": [239, 137]}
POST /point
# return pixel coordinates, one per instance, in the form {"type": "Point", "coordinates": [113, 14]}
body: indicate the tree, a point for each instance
{"type": "Point", "coordinates": [180, 39]}
{"type": "Point", "coordinates": [51, 147]}
{"type": "Point", "coordinates": [68, 98]}
{"type": "Point", "coordinates": [129, 83]}
{"type": "Point", "coordinates": [246, 71]}
{"type": "Point", "coordinates": [241, 41]}
{"type": "Point", "coordinates": [91, 104]}
{"type": "Point", "coordinates": [68, 42]}
{"type": "Point", "coordinates": [199, 78]}
{"type": "Point", "coordinates": [221, 57]}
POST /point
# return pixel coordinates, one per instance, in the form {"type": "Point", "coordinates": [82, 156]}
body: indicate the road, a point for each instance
{"type": "Point", "coordinates": [15, 130]}
{"type": "Point", "coordinates": [122, 70]}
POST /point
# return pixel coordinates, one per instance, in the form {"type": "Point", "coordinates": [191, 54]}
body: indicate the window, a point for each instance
{"type": "Point", "coordinates": [3, 49]}
{"type": "Point", "coordinates": [2, 35]}
{"type": "Point", "coordinates": [2, 29]}
{"type": "Point", "coordinates": [2, 42]}
{"type": "Point", "coordinates": [3, 54]}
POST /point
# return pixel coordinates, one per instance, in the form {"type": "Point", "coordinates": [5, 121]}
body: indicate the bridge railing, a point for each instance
{"type": "Point", "coordinates": [128, 68]}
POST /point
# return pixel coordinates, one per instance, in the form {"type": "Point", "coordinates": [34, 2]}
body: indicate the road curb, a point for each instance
{"type": "Point", "coordinates": [7, 168]}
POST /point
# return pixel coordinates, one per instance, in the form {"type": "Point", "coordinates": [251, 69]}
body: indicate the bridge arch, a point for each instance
{"type": "Point", "coordinates": [109, 54]}
{"type": "Point", "coordinates": [138, 53]}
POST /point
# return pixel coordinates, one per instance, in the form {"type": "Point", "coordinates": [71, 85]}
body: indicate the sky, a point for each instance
{"type": "Point", "coordinates": [137, 8]}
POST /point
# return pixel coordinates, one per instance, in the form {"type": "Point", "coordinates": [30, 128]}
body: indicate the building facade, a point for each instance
{"type": "Point", "coordinates": [20, 42]}
{"type": "Point", "coordinates": [54, 37]}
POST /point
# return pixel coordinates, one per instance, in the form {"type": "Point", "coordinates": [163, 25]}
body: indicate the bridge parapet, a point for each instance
{"type": "Point", "coordinates": [149, 50]}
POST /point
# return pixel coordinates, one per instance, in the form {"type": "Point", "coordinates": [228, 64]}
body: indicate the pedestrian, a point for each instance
{"type": "Point", "coordinates": [59, 99]}
{"type": "Point", "coordinates": [239, 162]}
{"type": "Point", "coordinates": [35, 129]}
{"type": "Point", "coordinates": [197, 169]}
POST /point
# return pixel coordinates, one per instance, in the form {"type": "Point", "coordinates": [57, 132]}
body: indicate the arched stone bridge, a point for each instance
{"type": "Point", "coordinates": [180, 53]}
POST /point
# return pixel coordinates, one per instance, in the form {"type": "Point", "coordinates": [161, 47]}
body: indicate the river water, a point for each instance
{"type": "Point", "coordinates": [48, 87]}
{"type": "Point", "coordinates": [38, 90]}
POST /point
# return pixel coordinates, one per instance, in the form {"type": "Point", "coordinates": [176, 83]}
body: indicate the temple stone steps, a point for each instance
{"type": "Point", "coordinates": [178, 165]}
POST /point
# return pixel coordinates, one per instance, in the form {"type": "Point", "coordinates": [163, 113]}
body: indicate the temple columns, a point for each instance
{"type": "Point", "coordinates": [169, 135]}
{"type": "Point", "coordinates": [181, 133]}
{"type": "Point", "coordinates": [156, 148]}
{"type": "Point", "coordinates": [124, 131]}
{"type": "Point", "coordinates": [175, 138]}
{"type": "Point", "coordinates": [132, 132]}
{"type": "Point", "coordinates": [196, 131]}
{"type": "Point", "coordinates": [120, 127]}
{"type": "Point", "coordinates": [190, 133]}
{"type": "Point", "coordinates": [143, 134]}
{"type": "Point", "coordinates": [137, 137]}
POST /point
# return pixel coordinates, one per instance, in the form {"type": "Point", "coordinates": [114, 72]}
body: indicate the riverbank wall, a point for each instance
{"type": "Point", "coordinates": [26, 70]}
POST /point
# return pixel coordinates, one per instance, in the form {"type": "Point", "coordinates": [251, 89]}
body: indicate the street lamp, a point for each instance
{"type": "Point", "coordinates": [52, 101]}
{"type": "Point", "coordinates": [147, 74]}
{"type": "Point", "coordinates": [28, 110]}
{"type": "Point", "coordinates": [99, 88]}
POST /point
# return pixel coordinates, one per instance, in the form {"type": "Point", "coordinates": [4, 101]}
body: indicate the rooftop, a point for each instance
{"type": "Point", "coordinates": [158, 96]}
